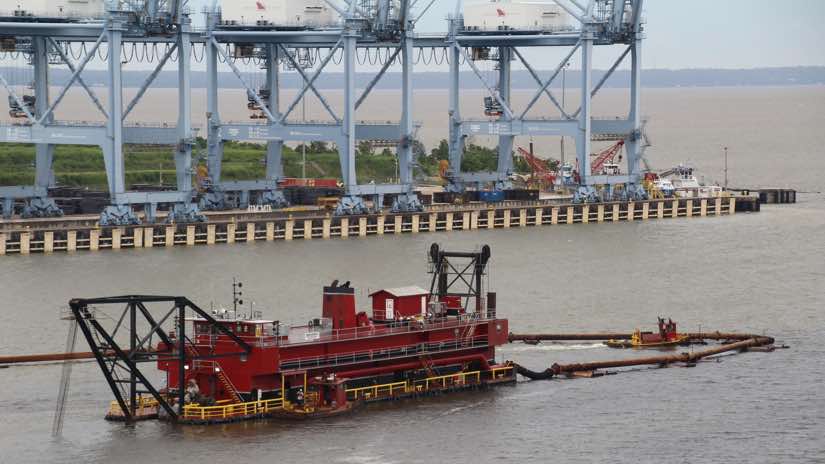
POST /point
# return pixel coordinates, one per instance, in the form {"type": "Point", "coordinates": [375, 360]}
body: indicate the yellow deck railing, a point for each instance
{"type": "Point", "coordinates": [373, 391]}
{"type": "Point", "coordinates": [440, 381]}
{"type": "Point", "coordinates": [225, 411]}
{"type": "Point", "coordinates": [499, 372]}
{"type": "Point", "coordinates": [230, 410]}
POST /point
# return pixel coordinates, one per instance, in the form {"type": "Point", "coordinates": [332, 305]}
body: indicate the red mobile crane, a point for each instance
{"type": "Point", "coordinates": [540, 168]}
{"type": "Point", "coordinates": [605, 156]}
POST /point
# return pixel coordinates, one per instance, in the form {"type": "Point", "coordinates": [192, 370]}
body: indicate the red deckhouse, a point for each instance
{"type": "Point", "coordinates": [414, 341]}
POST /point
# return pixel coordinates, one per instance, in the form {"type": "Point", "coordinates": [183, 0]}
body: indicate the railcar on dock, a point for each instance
{"type": "Point", "coordinates": [224, 365]}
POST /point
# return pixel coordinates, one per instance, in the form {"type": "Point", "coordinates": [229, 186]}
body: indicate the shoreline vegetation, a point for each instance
{"type": "Point", "coordinates": [82, 166]}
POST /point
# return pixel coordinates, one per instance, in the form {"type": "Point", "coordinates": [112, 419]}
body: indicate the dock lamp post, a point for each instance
{"type": "Point", "coordinates": [726, 168]}
{"type": "Point", "coordinates": [563, 93]}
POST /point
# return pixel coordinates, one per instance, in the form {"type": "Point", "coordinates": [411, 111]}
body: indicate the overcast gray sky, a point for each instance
{"type": "Point", "coordinates": [703, 33]}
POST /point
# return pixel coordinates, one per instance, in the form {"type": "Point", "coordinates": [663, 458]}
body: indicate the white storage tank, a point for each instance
{"type": "Point", "coordinates": [68, 9]}
{"type": "Point", "coordinates": [288, 13]}
{"type": "Point", "coordinates": [498, 15]}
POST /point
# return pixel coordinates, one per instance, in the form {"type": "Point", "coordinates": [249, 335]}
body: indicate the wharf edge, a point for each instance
{"type": "Point", "coordinates": [84, 233]}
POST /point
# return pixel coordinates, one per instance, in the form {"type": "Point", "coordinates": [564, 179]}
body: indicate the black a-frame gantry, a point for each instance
{"type": "Point", "coordinates": [448, 275]}
{"type": "Point", "coordinates": [120, 363]}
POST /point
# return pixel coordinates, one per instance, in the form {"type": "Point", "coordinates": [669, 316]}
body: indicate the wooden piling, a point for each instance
{"type": "Point", "coordinates": [289, 229]}
{"type": "Point", "coordinates": [190, 235]}
{"type": "Point", "coordinates": [230, 232]}
{"type": "Point", "coordinates": [48, 242]}
{"type": "Point", "coordinates": [94, 240]}
{"type": "Point", "coordinates": [169, 236]}
{"type": "Point", "coordinates": [210, 234]}
{"type": "Point", "coordinates": [71, 240]}
{"type": "Point", "coordinates": [327, 227]}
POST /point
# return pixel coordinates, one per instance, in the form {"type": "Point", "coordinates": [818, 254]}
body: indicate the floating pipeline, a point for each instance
{"type": "Point", "coordinates": [47, 357]}
{"type": "Point", "coordinates": [746, 342]}
{"type": "Point", "coordinates": [692, 336]}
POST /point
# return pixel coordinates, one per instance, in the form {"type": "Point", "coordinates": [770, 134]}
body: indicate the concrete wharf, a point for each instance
{"type": "Point", "coordinates": [74, 233]}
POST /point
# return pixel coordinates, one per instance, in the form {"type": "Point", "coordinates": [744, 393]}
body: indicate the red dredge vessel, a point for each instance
{"type": "Point", "coordinates": [224, 366]}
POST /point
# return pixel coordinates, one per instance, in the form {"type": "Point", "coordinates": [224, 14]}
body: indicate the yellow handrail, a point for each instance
{"type": "Point", "coordinates": [224, 411]}
{"type": "Point", "coordinates": [443, 380]}
{"type": "Point", "coordinates": [374, 389]}
{"type": "Point", "coordinates": [195, 411]}
{"type": "Point", "coordinates": [495, 371]}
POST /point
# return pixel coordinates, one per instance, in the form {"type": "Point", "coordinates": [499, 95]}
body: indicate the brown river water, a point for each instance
{"type": "Point", "coordinates": [762, 272]}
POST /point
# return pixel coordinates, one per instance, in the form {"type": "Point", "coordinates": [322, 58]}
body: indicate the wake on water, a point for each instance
{"type": "Point", "coordinates": [517, 348]}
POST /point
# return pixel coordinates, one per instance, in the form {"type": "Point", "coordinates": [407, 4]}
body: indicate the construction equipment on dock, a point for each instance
{"type": "Point", "coordinates": [603, 160]}
{"type": "Point", "coordinates": [542, 173]}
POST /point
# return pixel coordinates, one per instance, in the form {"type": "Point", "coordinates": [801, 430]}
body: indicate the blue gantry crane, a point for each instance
{"type": "Point", "coordinates": [118, 32]}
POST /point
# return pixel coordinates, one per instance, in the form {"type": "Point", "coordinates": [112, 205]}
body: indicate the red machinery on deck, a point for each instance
{"type": "Point", "coordinates": [319, 367]}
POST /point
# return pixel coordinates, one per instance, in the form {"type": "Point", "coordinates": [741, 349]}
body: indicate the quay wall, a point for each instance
{"type": "Point", "coordinates": [74, 234]}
